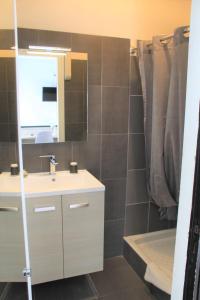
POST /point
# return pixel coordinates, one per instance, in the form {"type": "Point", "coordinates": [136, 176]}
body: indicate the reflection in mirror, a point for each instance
{"type": "Point", "coordinates": [12, 254]}
{"type": "Point", "coordinates": [53, 95]}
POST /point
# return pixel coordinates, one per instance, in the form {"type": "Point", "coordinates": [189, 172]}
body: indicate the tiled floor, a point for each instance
{"type": "Point", "coordinates": [117, 282]}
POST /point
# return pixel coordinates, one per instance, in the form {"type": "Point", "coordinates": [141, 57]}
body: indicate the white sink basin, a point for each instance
{"type": "Point", "coordinates": [43, 184]}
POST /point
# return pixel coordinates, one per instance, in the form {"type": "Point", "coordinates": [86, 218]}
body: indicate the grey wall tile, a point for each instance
{"type": "Point", "coordinates": [136, 152]}
{"type": "Point", "coordinates": [113, 234]}
{"type": "Point", "coordinates": [12, 107]}
{"type": "Point", "coordinates": [54, 38]}
{"type": "Point", "coordinates": [94, 109]}
{"type": "Point", "coordinates": [13, 132]}
{"type": "Point", "coordinates": [63, 153]}
{"type": "Point", "coordinates": [3, 75]}
{"type": "Point", "coordinates": [8, 155]}
{"type": "Point", "coordinates": [74, 106]}
{"type": "Point", "coordinates": [114, 156]}
{"type": "Point", "coordinates": [76, 132]}
{"type": "Point", "coordinates": [31, 157]}
{"type": "Point", "coordinates": [27, 37]}
{"type": "Point", "coordinates": [4, 112]}
{"type": "Point", "coordinates": [135, 80]}
{"type": "Point", "coordinates": [155, 223]}
{"type": "Point", "coordinates": [33, 162]}
{"type": "Point", "coordinates": [87, 154]}
{"type": "Point", "coordinates": [114, 198]}
{"type": "Point", "coordinates": [136, 120]}
{"type": "Point", "coordinates": [111, 55]}
{"type": "Point", "coordinates": [4, 132]}
{"type": "Point", "coordinates": [136, 187]}
{"type": "Point", "coordinates": [11, 74]}
{"type": "Point", "coordinates": [136, 219]}
{"type": "Point", "coordinates": [7, 38]}
{"type": "Point", "coordinates": [8, 129]}
{"type": "Point", "coordinates": [115, 103]}
{"type": "Point", "coordinates": [77, 81]}
{"type": "Point", "coordinates": [92, 45]}
{"type": "Point", "coordinates": [115, 61]}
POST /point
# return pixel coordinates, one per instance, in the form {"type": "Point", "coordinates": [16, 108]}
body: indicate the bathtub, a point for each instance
{"type": "Point", "coordinates": [156, 249]}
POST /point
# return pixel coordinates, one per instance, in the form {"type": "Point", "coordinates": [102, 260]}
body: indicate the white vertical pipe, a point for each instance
{"type": "Point", "coordinates": [189, 153]}
{"type": "Point", "coordinates": [23, 199]}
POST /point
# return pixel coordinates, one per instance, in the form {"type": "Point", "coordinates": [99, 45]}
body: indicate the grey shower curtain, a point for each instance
{"type": "Point", "coordinates": [146, 70]}
{"type": "Point", "coordinates": [163, 68]}
{"type": "Point", "coordinates": [175, 113]}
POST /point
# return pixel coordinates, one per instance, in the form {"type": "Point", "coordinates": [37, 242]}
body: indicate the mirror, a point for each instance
{"type": "Point", "coordinates": [52, 95]}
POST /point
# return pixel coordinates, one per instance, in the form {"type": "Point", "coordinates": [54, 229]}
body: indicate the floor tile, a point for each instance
{"type": "Point", "coordinates": [113, 238]}
{"type": "Point", "coordinates": [16, 291]}
{"type": "Point", "coordinates": [129, 294]}
{"type": "Point", "coordinates": [76, 288]}
{"type": "Point", "coordinates": [2, 286]}
{"type": "Point", "coordinates": [117, 276]}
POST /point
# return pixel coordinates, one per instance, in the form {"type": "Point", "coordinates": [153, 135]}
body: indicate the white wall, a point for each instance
{"type": "Point", "coordinates": [189, 152]}
{"type": "Point", "coordinates": [134, 19]}
{"type": "Point", "coordinates": [6, 14]}
{"type": "Point", "coordinates": [34, 74]}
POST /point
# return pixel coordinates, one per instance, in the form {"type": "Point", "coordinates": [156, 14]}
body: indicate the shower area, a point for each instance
{"type": "Point", "coordinates": [158, 86]}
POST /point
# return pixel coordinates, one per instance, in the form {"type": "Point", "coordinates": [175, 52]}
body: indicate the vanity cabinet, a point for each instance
{"type": "Point", "coordinates": [65, 222]}
{"type": "Point", "coordinates": [65, 235]}
{"type": "Point", "coordinates": [45, 238]}
{"type": "Point", "coordinates": [12, 254]}
{"type": "Point", "coordinates": [83, 228]}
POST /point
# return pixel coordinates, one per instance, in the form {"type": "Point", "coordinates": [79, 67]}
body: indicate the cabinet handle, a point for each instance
{"type": "Point", "coordinates": [78, 205]}
{"type": "Point", "coordinates": [9, 209]}
{"type": "Point", "coordinates": [44, 209]}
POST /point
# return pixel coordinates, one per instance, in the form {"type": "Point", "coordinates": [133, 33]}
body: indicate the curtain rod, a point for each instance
{"type": "Point", "coordinates": [166, 38]}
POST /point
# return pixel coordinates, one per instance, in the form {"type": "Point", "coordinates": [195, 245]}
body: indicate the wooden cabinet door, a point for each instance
{"type": "Point", "coordinates": [12, 254]}
{"type": "Point", "coordinates": [83, 232]}
{"type": "Point", "coordinates": [45, 238]}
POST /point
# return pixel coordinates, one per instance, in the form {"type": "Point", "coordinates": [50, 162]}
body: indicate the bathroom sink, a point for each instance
{"type": "Point", "coordinates": [44, 184]}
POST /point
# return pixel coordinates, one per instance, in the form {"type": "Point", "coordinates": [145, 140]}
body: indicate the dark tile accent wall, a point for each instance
{"type": "Point", "coordinates": [104, 154]}
{"type": "Point", "coordinates": [7, 39]}
{"type": "Point", "coordinates": [114, 150]}
{"type": "Point", "coordinates": [76, 102]}
{"type": "Point", "coordinates": [137, 200]}
{"type": "Point", "coordinates": [141, 215]}
{"type": "Point", "coordinates": [8, 115]}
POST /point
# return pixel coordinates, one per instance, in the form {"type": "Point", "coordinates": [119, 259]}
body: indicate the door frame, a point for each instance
{"type": "Point", "coordinates": [191, 287]}
{"type": "Point", "coordinates": [189, 155]}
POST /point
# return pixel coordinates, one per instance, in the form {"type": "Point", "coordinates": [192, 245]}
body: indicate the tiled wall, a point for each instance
{"type": "Point", "coordinates": [114, 151]}
{"type": "Point", "coordinates": [8, 116]}
{"type": "Point", "coordinates": [76, 102]}
{"type": "Point", "coordinates": [105, 152]}
{"type": "Point", "coordinates": [141, 214]}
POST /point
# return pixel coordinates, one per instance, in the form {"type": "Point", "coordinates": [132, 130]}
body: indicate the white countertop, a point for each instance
{"type": "Point", "coordinates": [44, 184]}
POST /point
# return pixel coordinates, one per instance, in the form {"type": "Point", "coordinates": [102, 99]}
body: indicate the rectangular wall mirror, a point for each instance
{"type": "Point", "coordinates": [53, 89]}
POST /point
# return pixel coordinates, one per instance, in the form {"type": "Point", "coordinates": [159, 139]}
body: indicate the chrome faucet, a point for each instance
{"type": "Point", "coordinates": [52, 163]}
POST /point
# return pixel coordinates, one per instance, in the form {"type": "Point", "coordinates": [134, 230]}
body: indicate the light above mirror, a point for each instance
{"type": "Point", "coordinates": [52, 49]}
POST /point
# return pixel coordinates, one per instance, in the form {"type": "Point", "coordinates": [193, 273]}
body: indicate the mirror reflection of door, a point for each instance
{"type": "Point", "coordinates": [39, 99]}
{"type": "Point", "coordinates": [53, 96]}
